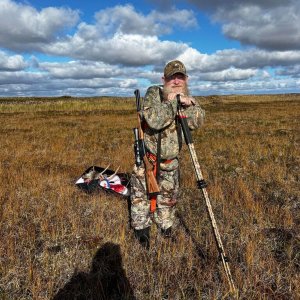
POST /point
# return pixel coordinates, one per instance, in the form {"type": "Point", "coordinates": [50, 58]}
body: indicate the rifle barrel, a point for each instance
{"type": "Point", "coordinates": [137, 99]}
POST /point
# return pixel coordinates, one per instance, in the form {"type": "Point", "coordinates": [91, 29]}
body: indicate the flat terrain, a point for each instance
{"type": "Point", "coordinates": [59, 243]}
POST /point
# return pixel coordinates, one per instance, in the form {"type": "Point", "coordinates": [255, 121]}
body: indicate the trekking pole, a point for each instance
{"type": "Point", "coordinates": [202, 185]}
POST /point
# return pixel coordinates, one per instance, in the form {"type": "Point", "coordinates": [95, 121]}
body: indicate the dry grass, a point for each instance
{"type": "Point", "coordinates": [55, 238]}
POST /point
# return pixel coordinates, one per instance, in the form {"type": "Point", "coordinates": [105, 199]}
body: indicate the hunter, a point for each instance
{"type": "Point", "coordinates": [163, 141]}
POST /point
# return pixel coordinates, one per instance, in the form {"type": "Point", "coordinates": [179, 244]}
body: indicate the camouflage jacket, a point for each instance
{"type": "Point", "coordinates": [160, 116]}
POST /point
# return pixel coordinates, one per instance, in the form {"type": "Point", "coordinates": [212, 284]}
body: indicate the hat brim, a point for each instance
{"type": "Point", "coordinates": [175, 72]}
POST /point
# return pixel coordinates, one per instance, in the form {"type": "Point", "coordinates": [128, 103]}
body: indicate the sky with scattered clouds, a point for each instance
{"type": "Point", "coordinates": [108, 47]}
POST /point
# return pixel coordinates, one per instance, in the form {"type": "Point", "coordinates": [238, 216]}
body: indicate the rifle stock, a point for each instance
{"type": "Point", "coordinates": [152, 186]}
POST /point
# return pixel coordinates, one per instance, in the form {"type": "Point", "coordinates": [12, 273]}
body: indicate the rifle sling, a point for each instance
{"type": "Point", "coordinates": [158, 157]}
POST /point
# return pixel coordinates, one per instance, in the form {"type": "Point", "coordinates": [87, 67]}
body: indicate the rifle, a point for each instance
{"type": "Point", "coordinates": [140, 155]}
{"type": "Point", "coordinates": [202, 185]}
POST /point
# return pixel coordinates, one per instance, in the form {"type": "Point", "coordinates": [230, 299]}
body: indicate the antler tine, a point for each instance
{"type": "Point", "coordinates": [104, 170]}
{"type": "Point", "coordinates": [111, 176]}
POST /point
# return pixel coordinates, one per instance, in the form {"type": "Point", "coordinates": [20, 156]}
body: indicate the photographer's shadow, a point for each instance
{"type": "Point", "coordinates": [106, 279]}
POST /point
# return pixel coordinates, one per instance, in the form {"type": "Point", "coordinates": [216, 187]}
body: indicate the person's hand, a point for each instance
{"type": "Point", "coordinates": [172, 96]}
{"type": "Point", "coordinates": [186, 101]}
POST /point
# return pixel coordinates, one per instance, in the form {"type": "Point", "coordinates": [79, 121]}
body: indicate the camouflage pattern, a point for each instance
{"type": "Point", "coordinates": [140, 205]}
{"type": "Point", "coordinates": [174, 67]}
{"type": "Point", "coordinates": [160, 116]}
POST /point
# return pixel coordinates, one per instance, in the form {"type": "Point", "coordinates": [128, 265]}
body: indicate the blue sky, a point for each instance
{"type": "Point", "coordinates": [94, 48]}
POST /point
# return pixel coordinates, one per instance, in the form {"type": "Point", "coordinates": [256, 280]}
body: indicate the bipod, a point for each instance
{"type": "Point", "coordinates": [202, 186]}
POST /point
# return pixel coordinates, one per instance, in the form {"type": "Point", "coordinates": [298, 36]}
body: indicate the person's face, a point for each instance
{"type": "Point", "coordinates": [175, 83]}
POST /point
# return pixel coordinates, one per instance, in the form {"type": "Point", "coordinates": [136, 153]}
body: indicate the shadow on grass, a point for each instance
{"type": "Point", "coordinates": [106, 279]}
{"type": "Point", "coordinates": [203, 255]}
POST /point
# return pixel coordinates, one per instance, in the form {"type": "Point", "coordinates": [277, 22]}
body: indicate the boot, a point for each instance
{"type": "Point", "coordinates": [166, 233]}
{"type": "Point", "coordinates": [143, 236]}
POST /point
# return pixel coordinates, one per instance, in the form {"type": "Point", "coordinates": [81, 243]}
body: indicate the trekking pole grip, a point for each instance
{"type": "Point", "coordinates": [183, 121]}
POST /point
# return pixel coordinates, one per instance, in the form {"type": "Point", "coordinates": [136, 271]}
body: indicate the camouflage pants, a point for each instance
{"type": "Point", "coordinates": [140, 205]}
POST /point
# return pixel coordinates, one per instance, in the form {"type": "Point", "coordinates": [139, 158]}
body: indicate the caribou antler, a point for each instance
{"type": "Point", "coordinates": [104, 170]}
{"type": "Point", "coordinates": [111, 176]}
{"type": "Point", "coordinates": [102, 174]}
{"type": "Point", "coordinates": [93, 174]}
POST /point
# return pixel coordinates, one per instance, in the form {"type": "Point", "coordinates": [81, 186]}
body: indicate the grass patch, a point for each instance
{"type": "Point", "coordinates": [57, 239]}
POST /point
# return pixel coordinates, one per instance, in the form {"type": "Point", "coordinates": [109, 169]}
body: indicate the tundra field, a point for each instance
{"type": "Point", "coordinates": [58, 242]}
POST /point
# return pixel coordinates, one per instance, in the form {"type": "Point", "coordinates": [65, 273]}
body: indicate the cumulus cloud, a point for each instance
{"type": "Point", "coordinates": [258, 85]}
{"type": "Point", "coordinates": [214, 5]}
{"type": "Point", "coordinates": [11, 63]}
{"type": "Point", "coordinates": [268, 24]}
{"type": "Point", "coordinates": [124, 49]}
{"type": "Point", "coordinates": [277, 29]}
{"type": "Point", "coordinates": [293, 71]}
{"type": "Point", "coordinates": [125, 19]}
{"type": "Point", "coordinates": [231, 74]}
{"type": "Point", "coordinates": [120, 35]}
{"type": "Point", "coordinates": [43, 84]}
{"type": "Point", "coordinates": [242, 59]}
{"type": "Point", "coordinates": [128, 83]}
{"type": "Point", "coordinates": [123, 36]}
{"type": "Point", "coordinates": [22, 77]}
{"type": "Point", "coordinates": [78, 77]}
{"type": "Point", "coordinates": [48, 82]}
{"type": "Point", "coordinates": [23, 28]}
{"type": "Point", "coordinates": [80, 70]}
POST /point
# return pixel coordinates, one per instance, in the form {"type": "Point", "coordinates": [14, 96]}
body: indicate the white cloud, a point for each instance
{"type": "Point", "coordinates": [123, 36]}
{"type": "Point", "coordinates": [241, 59]}
{"type": "Point", "coordinates": [48, 83]}
{"type": "Point", "coordinates": [276, 29]}
{"type": "Point", "coordinates": [293, 71]}
{"type": "Point", "coordinates": [22, 77]}
{"type": "Point", "coordinates": [269, 24]}
{"type": "Point", "coordinates": [238, 69]}
{"type": "Point", "coordinates": [23, 28]}
{"type": "Point", "coordinates": [80, 70]}
{"type": "Point", "coordinates": [244, 87]}
{"type": "Point", "coordinates": [129, 83]}
{"type": "Point", "coordinates": [11, 63]}
{"type": "Point", "coordinates": [125, 19]}
{"type": "Point", "coordinates": [214, 5]}
{"type": "Point", "coordinates": [126, 49]}
{"type": "Point", "coordinates": [34, 83]}
{"type": "Point", "coordinates": [120, 34]}
{"type": "Point", "coordinates": [231, 74]}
